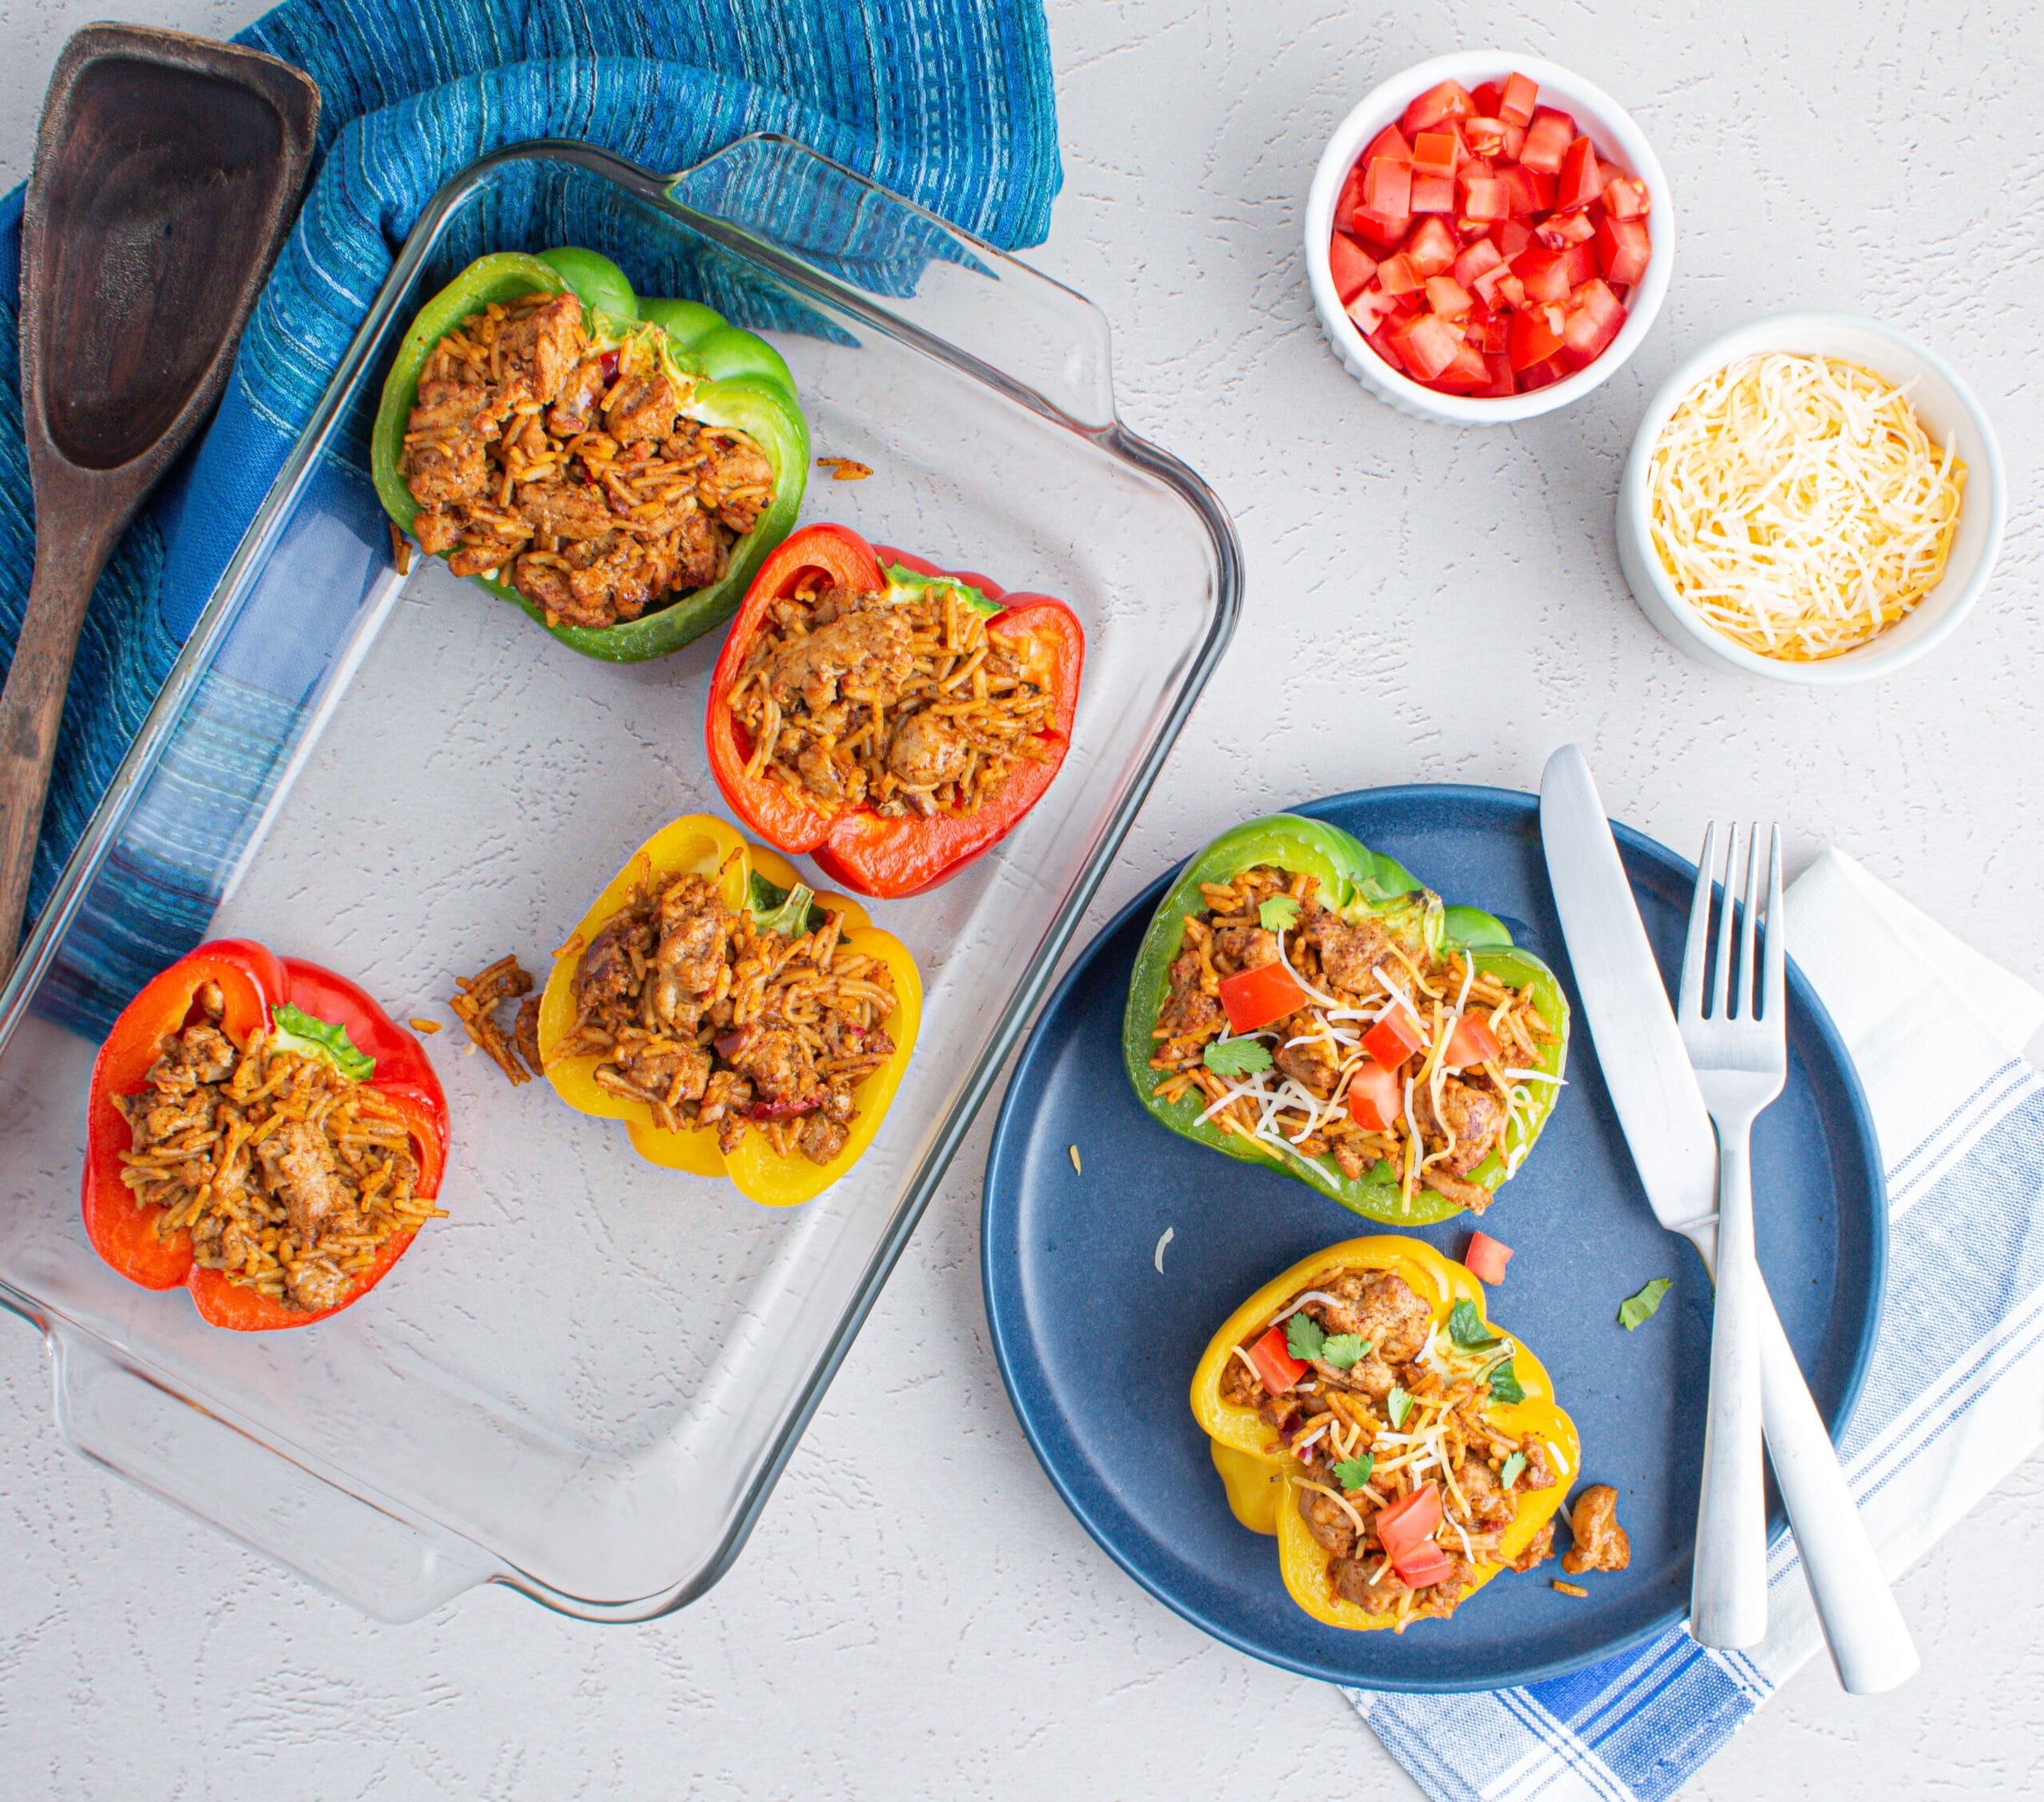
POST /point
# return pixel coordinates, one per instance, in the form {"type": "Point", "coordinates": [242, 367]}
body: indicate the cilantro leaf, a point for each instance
{"type": "Point", "coordinates": [1399, 1404]}
{"type": "Point", "coordinates": [1344, 1350]}
{"type": "Point", "coordinates": [1466, 1328]}
{"type": "Point", "coordinates": [1513, 1466]}
{"type": "Point", "coordinates": [1236, 1057]}
{"type": "Point", "coordinates": [293, 1030]}
{"type": "Point", "coordinates": [1353, 1473]}
{"type": "Point", "coordinates": [789, 912]}
{"type": "Point", "coordinates": [1504, 1384]}
{"type": "Point", "coordinates": [1636, 1310]}
{"type": "Point", "coordinates": [1279, 913]}
{"type": "Point", "coordinates": [1303, 1338]}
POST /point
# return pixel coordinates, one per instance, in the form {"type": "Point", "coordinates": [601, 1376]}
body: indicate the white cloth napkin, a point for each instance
{"type": "Point", "coordinates": [1954, 1398]}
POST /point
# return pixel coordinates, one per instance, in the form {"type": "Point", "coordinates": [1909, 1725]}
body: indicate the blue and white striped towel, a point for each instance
{"type": "Point", "coordinates": [1953, 1401]}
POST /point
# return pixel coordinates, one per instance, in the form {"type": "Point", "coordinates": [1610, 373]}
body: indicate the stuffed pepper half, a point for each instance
{"type": "Point", "coordinates": [1301, 1001]}
{"type": "Point", "coordinates": [618, 468]}
{"type": "Point", "coordinates": [741, 1025]}
{"type": "Point", "coordinates": [1403, 1449]}
{"type": "Point", "coordinates": [262, 1134]}
{"type": "Point", "coordinates": [891, 719]}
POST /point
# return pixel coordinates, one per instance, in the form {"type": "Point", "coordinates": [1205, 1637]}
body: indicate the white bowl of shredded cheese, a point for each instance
{"type": "Point", "coordinates": [1813, 498]}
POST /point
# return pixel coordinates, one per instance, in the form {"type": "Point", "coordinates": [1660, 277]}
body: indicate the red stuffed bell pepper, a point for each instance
{"type": "Point", "coordinates": [892, 720]}
{"type": "Point", "coordinates": [260, 1132]}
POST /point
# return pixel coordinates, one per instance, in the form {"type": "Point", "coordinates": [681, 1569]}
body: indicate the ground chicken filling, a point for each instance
{"type": "Point", "coordinates": [1451, 1111]}
{"type": "Point", "coordinates": [906, 706]}
{"type": "Point", "coordinates": [290, 1178]}
{"type": "Point", "coordinates": [1388, 1405]}
{"type": "Point", "coordinates": [711, 1021]}
{"type": "Point", "coordinates": [542, 461]}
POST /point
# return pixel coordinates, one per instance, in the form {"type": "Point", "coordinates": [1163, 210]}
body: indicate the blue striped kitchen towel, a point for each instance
{"type": "Point", "coordinates": [1953, 1401]}
{"type": "Point", "coordinates": [947, 102]}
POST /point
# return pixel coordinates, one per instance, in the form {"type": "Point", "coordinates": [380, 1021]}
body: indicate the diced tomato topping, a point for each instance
{"type": "Point", "coordinates": [1485, 198]}
{"type": "Point", "coordinates": [1502, 382]}
{"type": "Point", "coordinates": [1471, 1042]}
{"type": "Point", "coordinates": [1485, 1258]}
{"type": "Point", "coordinates": [1375, 1096]}
{"type": "Point", "coordinates": [1435, 153]}
{"type": "Point", "coordinates": [1395, 274]}
{"type": "Point", "coordinates": [1447, 296]}
{"type": "Point", "coordinates": [1409, 1522]}
{"type": "Point", "coordinates": [1351, 196]}
{"type": "Point", "coordinates": [1623, 249]}
{"type": "Point", "coordinates": [1536, 336]}
{"type": "Point", "coordinates": [1351, 268]}
{"type": "Point", "coordinates": [1276, 1369]}
{"type": "Point", "coordinates": [1433, 193]}
{"type": "Point", "coordinates": [1425, 1567]}
{"type": "Point", "coordinates": [1370, 308]}
{"type": "Point", "coordinates": [1625, 198]}
{"type": "Point", "coordinates": [1388, 186]}
{"type": "Point", "coordinates": [1474, 260]}
{"type": "Point", "coordinates": [1547, 140]}
{"type": "Point", "coordinates": [1254, 998]}
{"type": "Point", "coordinates": [1431, 247]}
{"type": "Point", "coordinates": [1522, 191]}
{"type": "Point", "coordinates": [1466, 236]}
{"type": "Point", "coordinates": [1558, 230]}
{"type": "Point", "coordinates": [1379, 231]}
{"type": "Point", "coordinates": [1593, 321]}
{"type": "Point", "coordinates": [1517, 103]}
{"type": "Point", "coordinates": [1449, 100]}
{"type": "Point", "coordinates": [1396, 1036]}
{"type": "Point", "coordinates": [1484, 135]}
{"type": "Point", "coordinates": [1582, 180]}
{"type": "Point", "coordinates": [1540, 269]}
{"type": "Point", "coordinates": [1512, 237]}
{"type": "Point", "coordinates": [1389, 142]}
{"type": "Point", "coordinates": [1427, 344]}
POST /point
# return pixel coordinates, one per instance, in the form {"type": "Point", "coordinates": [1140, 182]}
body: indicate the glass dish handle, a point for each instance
{"type": "Point", "coordinates": [120, 1417]}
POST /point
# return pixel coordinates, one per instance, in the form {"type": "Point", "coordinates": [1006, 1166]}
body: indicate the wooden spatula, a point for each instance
{"type": "Point", "coordinates": [167, 169]}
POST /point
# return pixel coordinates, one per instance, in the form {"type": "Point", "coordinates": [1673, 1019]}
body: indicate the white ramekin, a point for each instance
{"type": "Point", "coordinates": [1945, 405]}
{"type": "Point", "coordinates": [1618, 140]}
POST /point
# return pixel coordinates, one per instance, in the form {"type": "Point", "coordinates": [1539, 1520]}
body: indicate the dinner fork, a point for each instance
{"type": "Point", "coordinates": [1739, 1049]}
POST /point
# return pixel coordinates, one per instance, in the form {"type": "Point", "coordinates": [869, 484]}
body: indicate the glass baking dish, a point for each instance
{"type": "Point", "coordinates": [585, 1381]}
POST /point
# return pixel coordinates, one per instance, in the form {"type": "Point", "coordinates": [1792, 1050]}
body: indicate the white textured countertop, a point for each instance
{"type": "Point", "coordinates": [916, 1613]}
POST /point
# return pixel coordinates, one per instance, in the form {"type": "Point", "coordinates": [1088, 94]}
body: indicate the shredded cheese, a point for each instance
{"type": "Point", "coordinates": [1798, 504]}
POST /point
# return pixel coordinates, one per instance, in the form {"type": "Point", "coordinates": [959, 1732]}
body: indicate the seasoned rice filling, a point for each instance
{"type": "Point", "coordinates": [291, 1178]}
{"type": "Point", "coordinates": [1449, 1116]}
{"type": "Point", "coordinates": [908, 706]}
{"type": "Point", "coordinates": [1389, 1404]}
{"type": "Point", "coordinates": [711, 1020]}
{"type": "Point", "coordinates": [573, 475]}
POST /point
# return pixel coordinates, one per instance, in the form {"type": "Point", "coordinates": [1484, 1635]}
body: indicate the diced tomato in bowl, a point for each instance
{"type": "Point", "coordinates": [1487, 233]}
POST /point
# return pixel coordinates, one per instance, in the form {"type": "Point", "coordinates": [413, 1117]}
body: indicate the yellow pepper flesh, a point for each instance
{"type": "Point", "coordinates": [702, 845]}
{"type": "Point", "coordinates": [1255, 1467]}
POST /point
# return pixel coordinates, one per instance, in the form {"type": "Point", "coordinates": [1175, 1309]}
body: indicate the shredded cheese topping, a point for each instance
{"type": "Point", "coordinates": [1798, 504]}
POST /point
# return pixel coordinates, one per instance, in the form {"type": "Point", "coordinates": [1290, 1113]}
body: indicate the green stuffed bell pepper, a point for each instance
{"type": "Point", "coordinates": [618, 468]}
{"type": "Point", "coordinates": [1301, 1000]}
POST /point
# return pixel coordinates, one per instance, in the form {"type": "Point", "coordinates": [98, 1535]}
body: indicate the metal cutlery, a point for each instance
{"type": "Point", "coordinates": [1655, 1093]}
{"type": "Point", "coordinates": [1739, 1051]}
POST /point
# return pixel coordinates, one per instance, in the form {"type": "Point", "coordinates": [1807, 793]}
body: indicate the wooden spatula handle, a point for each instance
{"type": "Point", "coordinates": [66, 566]}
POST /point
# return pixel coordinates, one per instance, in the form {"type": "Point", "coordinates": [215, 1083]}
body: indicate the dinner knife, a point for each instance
{"type": "Point", "coordinates": [1639, 1049]}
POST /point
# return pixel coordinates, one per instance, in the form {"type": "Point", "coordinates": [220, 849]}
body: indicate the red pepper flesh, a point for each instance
{"type": "Point", "coordinates": [253, 981]}
{"type": "Point", "coordinates": [858, 848]}
{"type": "Point", "coordinates": [1276, 1368]}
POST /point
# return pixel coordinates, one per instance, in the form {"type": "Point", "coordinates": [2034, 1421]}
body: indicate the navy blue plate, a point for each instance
{"type": "Point", "coordinates": [1098, 1349]}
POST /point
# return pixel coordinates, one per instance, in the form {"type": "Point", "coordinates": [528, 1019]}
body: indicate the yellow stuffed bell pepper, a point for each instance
{"type": "Point", "coordinates": [747, 879]}
{"type": "Point", "coordinates": [1297, 1410]}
